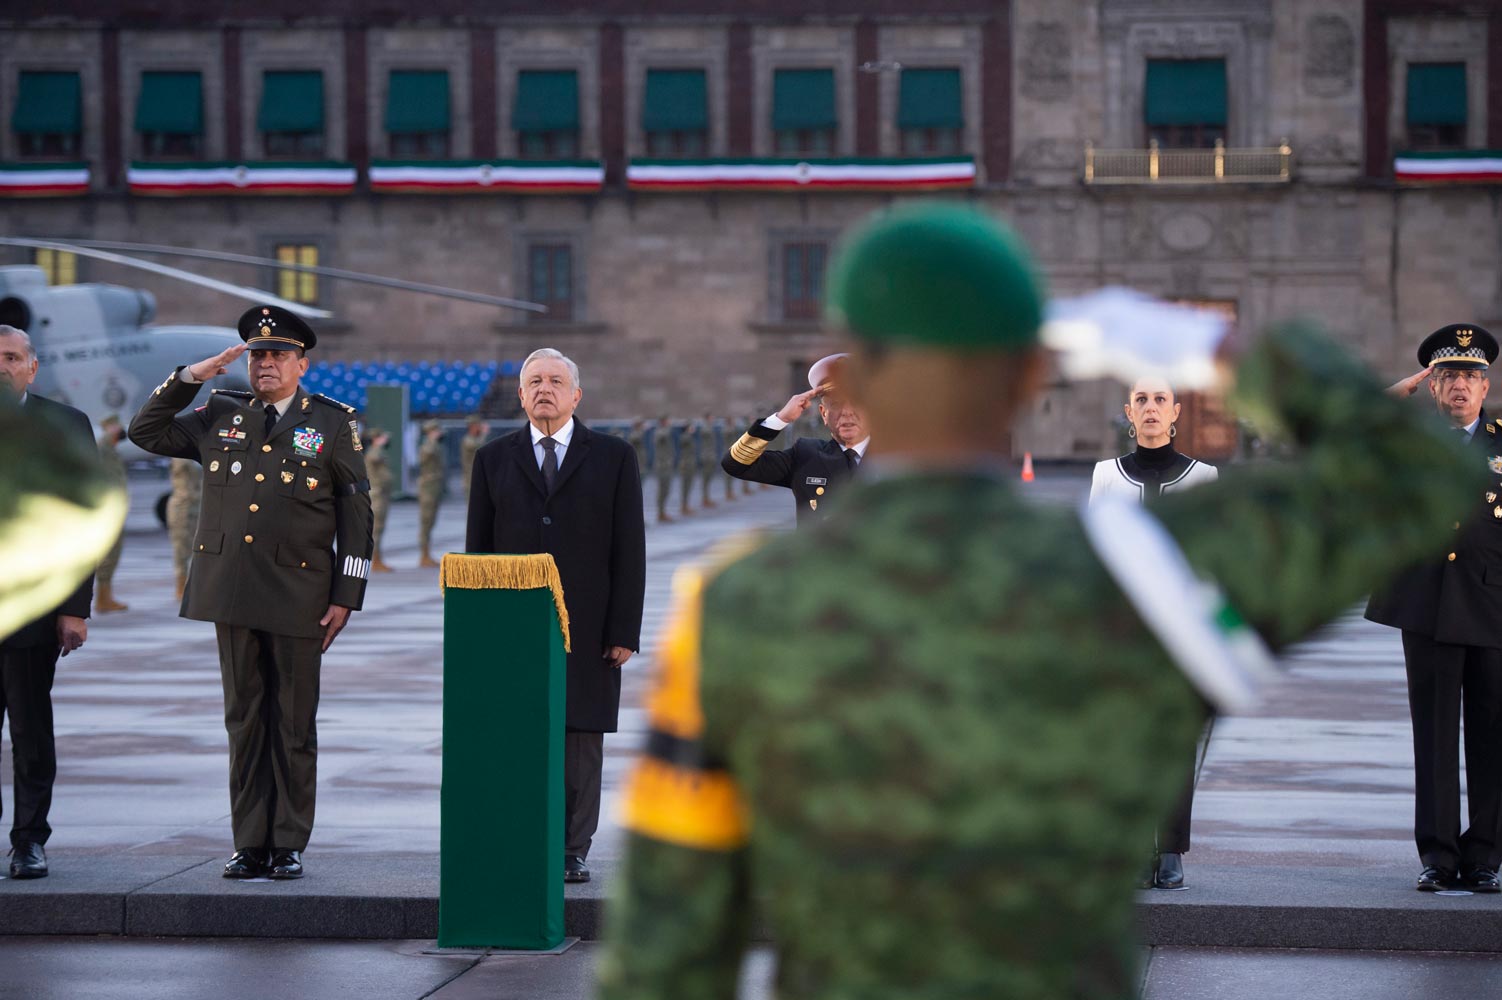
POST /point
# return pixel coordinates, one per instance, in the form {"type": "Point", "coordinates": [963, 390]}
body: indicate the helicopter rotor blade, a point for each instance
{"type": "Point", "coordinates": [329, 272]}
{"type": "Point", "coordinates": [238, 291]}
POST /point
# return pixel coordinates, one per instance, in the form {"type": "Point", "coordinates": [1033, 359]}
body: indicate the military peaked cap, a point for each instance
{"type": "Point", "coordinates": [272, 328]}
{"type": "Point", "coordinates": [1459, 345]}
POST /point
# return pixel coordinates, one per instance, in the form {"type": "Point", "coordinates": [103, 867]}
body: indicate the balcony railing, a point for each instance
{"type": "Point", "coordinates": [1189, 166]}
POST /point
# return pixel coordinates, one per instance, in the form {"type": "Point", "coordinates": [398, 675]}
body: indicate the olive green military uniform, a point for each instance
{"type": "Point", "coordinates": [688, 465]}
{"type": "Point", "coordinates": [637, 437]}
{"type": "Point", "coordinates": [431, 472]}
{"type": "Point", "coordinates": [182, 514]}
{"type": "Point", "coordinates": [467, 449]}
{"type": "Point", "coordinates": [664, 463]}
{"type": "Point", "coordinates": [874, 727]}
{"type": "Point", "coordinates": [284, 533]}
{"type": "Point", "coordinates": [706, 455]}
{"type": "Point", "coordinates": [114, 468]}
{"type": "Point", "coordinates": [379, 470]}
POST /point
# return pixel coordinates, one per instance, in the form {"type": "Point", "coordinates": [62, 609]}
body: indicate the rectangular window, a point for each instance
{"type": "Point", "coordinates": [48, 117]}
{"type": "Point", "coordinates": [675, 113]}
{"type": "Point", "coordinates": [169, 114]}
{"type": "Point", "coordinates": [550, 281]}
{"type": "Point", "coordinates": [60, 266]}
{"type": "Point", "coordinates": [804, 121]}
{"type": "Point", "coordinates": [545, 114]}
{"type": "Point", "coordinates": [930, 112]}
{"type": "Point", "coordinates": [803, 280]}
{"type": "Point", "coordinates": [417, 114]}
{"type": "Point", "coordinates": [297, 286]}
{"type": "Point", "coordinates": [1184, 102]}
{"type": "Point", "coordinates": [1437, 108]}
{"type": "Point", "coordinates": [291, 114]}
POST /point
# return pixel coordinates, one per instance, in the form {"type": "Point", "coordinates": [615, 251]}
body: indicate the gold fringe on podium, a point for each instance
{"type": "Point", "coordinates": [531, 572]}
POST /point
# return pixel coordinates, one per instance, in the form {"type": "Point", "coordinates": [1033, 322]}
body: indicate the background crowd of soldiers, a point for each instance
{"type": "Point", "coordinates": [681, 457]}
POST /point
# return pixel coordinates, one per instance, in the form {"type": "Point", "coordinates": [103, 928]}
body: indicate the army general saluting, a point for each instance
{"type": "Point", "coordinates": [281, 559]}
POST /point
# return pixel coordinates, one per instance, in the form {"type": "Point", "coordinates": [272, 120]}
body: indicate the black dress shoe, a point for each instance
{"type": "Point", "coordinates": [28, 860]}
{"type": "Point", "coordinates": [1433, 879]}
{"type": "Point", "coordinates": [1170, 871]}
{"type": "Point", "coordinates": [574, 869]}
{"type": "Point", "coordinates": [285, 864]}
{"type": "Point", "coordinates": [1481, 879]}
{"type": "Point", "coordinates": [249, 863]}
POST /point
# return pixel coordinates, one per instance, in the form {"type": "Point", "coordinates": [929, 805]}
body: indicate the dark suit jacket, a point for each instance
{"type": "Point", "coordinates": [814, 470]}
{"type": "Point", "coordinates": [43, 631]}
{"type": "Point", "coordinates": [1456, 597]}
{"type": "Point", "coordinates": [592, 526]}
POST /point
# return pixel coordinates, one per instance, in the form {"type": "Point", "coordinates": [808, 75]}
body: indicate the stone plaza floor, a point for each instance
{"type": "Point", "coordinates": [1301, 824]}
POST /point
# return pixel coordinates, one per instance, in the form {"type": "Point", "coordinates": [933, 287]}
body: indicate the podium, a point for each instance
{"type": "Point", "coordinates": [505, 633]}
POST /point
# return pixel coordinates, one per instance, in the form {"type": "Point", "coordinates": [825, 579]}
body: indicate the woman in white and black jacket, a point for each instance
{"type": "Point", "coordinates": [1144, 475]}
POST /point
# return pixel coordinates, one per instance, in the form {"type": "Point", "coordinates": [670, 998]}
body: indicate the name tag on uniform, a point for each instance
{"type": "Point", "coordinates": [815, 481]}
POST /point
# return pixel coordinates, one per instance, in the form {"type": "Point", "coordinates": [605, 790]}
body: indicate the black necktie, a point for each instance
{"type": "Point", "coordinates": [270, 419]}
{"type": "Point", "coordinates": [852, 459]}
{"type": "Point", "coordinates": [549, 462]}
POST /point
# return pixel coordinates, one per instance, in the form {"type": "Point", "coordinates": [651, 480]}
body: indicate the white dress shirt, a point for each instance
{"type": "Point", "coordinates": [562, 435]}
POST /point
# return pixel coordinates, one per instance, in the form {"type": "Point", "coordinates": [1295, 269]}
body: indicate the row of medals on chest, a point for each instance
{"type": "Point", "coordinates": [236, 466]}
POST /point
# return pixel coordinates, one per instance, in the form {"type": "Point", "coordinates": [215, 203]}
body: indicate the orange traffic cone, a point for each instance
{"type": "Point", "coordinates": [1027, 467]}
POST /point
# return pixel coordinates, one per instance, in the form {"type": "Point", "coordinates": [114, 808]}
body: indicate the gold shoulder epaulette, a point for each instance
{"type": "Point", "coordinates": [237, 393]}
{"type": "Point", "coordinates": [334, 402]}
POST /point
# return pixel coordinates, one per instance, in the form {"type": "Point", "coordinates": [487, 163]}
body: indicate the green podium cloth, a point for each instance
{"type": "Point", "coordinates": [505, 631]}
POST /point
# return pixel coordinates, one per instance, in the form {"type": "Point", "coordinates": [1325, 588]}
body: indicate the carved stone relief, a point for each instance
{"type": "Point", "coordinates": [1186, 232]}
{"type": "Point", "coordinates": [1047, 72]}
{"type": "Point", "coordinates": [1329, 56]}
{"type": "Point", "coordinates": [1051, 154]}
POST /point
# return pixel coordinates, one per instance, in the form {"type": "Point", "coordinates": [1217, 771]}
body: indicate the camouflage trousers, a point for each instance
{"type": "Point", "coordinates": [378, 508]}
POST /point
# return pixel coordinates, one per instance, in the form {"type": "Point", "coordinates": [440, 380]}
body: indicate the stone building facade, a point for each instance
{"type": "Point", "coordinates": [682, 301]}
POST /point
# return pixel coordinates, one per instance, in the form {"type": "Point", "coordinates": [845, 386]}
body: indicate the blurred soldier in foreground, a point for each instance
{"type": "Point", "coordinates": [814, 470]}
{"type": "Point", "coordinates": [58, 514]}
{"type": "Point", "coordinates": [662, 467]}
{"type": "Point", "coordinates": [379, 469]}
{"type": "Point", "coordinates": [432, 473]}
{"type": "Point", "coordinates": [182, 514]}
{"type": "Point", "coordinates": [110, 435]}
{"type": "Point", "coordinates": [279, 564]}
{"type": "Point", "coordinates": [476, 431]}
{"type": "Point", "coordinates": [897, 767]}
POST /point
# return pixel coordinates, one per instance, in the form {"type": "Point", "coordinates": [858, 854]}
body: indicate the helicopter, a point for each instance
{"type": "Point", "coordinates": [98, 347]}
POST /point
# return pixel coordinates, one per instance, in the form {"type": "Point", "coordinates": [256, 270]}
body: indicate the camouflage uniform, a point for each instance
{"type": "Point", "coordinates": [663, 466]}
{"type": "Point", "coordinates": [114, 469]}
{"type": "Point", "coordinates": [467, 449]}
{"type": "Point", "coordinates": [182, 514]}
{"type": "Point", "coordinates": [431, 473]}
{"type": "Point", "coordinates": [637, 437]}
{"type": "Point", "coordinates": [707, 455]}
{"type": "Point", "coordinates": [895, 768]}
{"type": "Point", "coordinates": [379, 471]}
{"type": "Point", "coordinates": [688, 464]}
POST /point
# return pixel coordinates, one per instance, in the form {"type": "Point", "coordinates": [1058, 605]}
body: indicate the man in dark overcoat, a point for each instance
{"type": "Point", "coordinates": [556, 486]}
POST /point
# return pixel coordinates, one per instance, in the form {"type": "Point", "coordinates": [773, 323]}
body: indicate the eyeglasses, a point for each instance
{"type": "Point", "coordinates": [1460, 376]}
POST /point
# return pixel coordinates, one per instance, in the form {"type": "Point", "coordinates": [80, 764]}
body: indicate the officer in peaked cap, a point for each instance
{"type": "Point", "coordinates": [813, 469]}
{"type": "Point", "coordinates": [280, 560]}
{"type": "Point", "coordinates": [1450, 610]}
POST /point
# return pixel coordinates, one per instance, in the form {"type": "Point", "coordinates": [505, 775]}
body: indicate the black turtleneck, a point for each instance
{"type": "Point", "coordinates": [1153, 467]}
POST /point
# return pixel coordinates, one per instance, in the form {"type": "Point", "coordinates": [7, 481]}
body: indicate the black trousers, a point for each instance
{"type": "Point", "coordinates": [26, 675]}
{"type": "Point", "coordinates": [270, 708]}
{"type": "Point", "coordinates": [583, 762]}
{"type": "Point", "coordinates": [1445, 684]}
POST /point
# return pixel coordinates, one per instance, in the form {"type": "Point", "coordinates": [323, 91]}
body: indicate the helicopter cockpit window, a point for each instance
{"type": "Point", "coordinates": [48, 118]}
{"type": "Point", "coordinates": [169, 114]}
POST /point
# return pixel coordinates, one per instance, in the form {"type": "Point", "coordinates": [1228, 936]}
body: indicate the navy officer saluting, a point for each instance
{"type": "Point", "coordinates": [813, 470]}
{"type": "Point", "coordinates": [1450, 611]}
{"type": "Point", "coordinates": [280, 560]}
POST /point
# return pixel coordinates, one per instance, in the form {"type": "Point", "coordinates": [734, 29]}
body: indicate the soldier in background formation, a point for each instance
{"type": "Point", "coordinates": [663, 466]}
{"type": "Point", "coordinates": [637, 437]}
{"type": "Point", "coordinates": [182, 514]}
{"type": "Point", "coordinates": [110, 434]}
{"type": "Point", "coordinates": [378, 469]}
{"type": "Point", "coordinates": [432, 471]}
{"type": "Point", "coordinates": [687, 466]}
{"type": "Point", "coordinates": [704, 458]}
{"type": "Point", "coordinates": [475, 434]}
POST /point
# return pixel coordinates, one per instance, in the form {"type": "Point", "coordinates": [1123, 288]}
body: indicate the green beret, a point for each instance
{"type": "Point", "coordinates": [936, 276]}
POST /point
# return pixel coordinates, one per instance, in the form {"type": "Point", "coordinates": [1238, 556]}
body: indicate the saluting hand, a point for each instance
{"type": "Point", "coordinates": [217, 365]}
{"type": "Point", "coordinates": [798, 405]}
{"type": "Point", "coordinates": [333, 621]}
{"type": "Point", "coordinates": [1403, 388]}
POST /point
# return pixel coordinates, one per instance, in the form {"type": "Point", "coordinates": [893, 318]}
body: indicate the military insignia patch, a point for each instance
{"type": "Point", "coordinates": [309, 441]}
{"type": "Point", "coordinates": [235, 468]}
{"type": "Point", "coordinates": [1491, 497]}
{"type": "Point", "coordinates": [214, 465]}
{"type": "Point", "coordinates": [813, 505]}
{"type": "Point", "coordinates": [1495, 463]}
{"type": "Point", "coordinates": [306, 403]}
{"type": "Point", "coordinates": [230, 434]}
{"type": "Point", "coordinates": [239, 419]}
{"type": "Point", "coordinates": [287, 477]}
{"type": "Point", "coordinates": [312, 483]}
{"type": "Point", "coordinates": [354, 433]}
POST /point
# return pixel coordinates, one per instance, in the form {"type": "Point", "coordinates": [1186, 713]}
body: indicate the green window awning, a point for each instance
{"type": "Point", "coordinates": [171, 103]}
{"type": "Point", "coordinates": [49, 102]}
{"type": "Point", "coordinates": [291, 101]}
{"type": "Point", "coordinates": [1185, 92]}
{"type": "Point", "coordinates": [1436, 94]}
{"type": "Point", "coordinates": [417, 101]}
{"type": "Point", "coordinates": [803, 98]}
{"type": "Point", "coordinates": [677, 100]}
{"type": "Point", "coordinates": [930, 98]}
{"type": "Point", "coordinates": [546, 101]}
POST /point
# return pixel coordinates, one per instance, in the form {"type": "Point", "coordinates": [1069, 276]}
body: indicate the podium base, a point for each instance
{"type": "Point", "coordinates": [566, 944]}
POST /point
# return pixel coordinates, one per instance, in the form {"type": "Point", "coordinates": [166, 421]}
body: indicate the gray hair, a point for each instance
{"type": "Point", "coordinates": [548, 352]}
{"type": "Point", "coordinates": [31, 351]}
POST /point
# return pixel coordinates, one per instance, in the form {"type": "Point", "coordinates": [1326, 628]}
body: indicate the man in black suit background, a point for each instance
{"type": "Point", "coordinates": [813, 470]}
{"type": "Point", "coordinates": [28, 658]}
{"type": "Point", "coordinates": [556, 486]}
{"type": "Point", "coordinates": [1450, 611]}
